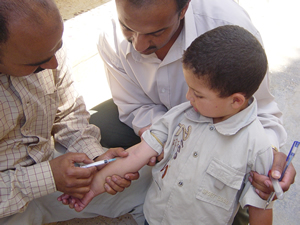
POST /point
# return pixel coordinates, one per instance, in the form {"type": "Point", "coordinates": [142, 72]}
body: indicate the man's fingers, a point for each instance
{"type": "Point", "coordinates": [152, 161]}
{"type": "Point", "coordinates": [112, 153]}
{"type": "Point", "coordinates": [288, 178]}
{"type": "Point", "coordinates": [132, 176]}
{"type": "Point", "coordinates": [263, 195]}
{"type": "Point", "coordinates": [79, 158]}
{"type": "Point", "coordinates": [109, 190]}
{"type": "Point", "coordinates": [259, 182]}
{"type": "Point", "coordinates": [117, 184]}
{"type": "Point", "coordinates": [278, 164]}
{"type": "Point", "coordinates": [160, 157]}
{"type": "Point", "coordinates": [120, 181]}
{"type": "Point", "coordinates": [83, 173]}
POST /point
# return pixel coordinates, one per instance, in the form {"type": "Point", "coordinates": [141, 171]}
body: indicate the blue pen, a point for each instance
{"type": "Point", "coordinates": [277, 187]}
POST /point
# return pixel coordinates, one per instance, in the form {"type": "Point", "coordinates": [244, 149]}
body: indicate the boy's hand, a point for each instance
{"type": "Point", "coordinates": [65, 199]}
{"type": "Point", "coordinates": [69, 179]}
{"type": "Point", "coordinates": [76, 203]}
{"type": "Point", "coordinates": [263, 184]}
{"type": "Point", "coordinates": [116, 183]}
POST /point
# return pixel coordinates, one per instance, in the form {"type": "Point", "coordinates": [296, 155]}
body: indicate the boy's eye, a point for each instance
{"type": "Point", "coordinates": [197, 96]}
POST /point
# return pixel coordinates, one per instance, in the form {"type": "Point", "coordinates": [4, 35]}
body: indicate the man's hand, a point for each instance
{"type": "Point", "coordinates": [116, 183]}
{"type": "Point", "coordinates": [154, 160]}
{"type": "Point", "coordinates": [263, 183]}
{"type": "Point", "coordinates": [69, 179]}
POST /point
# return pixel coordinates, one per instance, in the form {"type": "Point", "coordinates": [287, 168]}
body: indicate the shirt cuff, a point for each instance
{"type": "Point", "coordinates": [153, 141]}
{"type": "Point", "coordinates": [41, 180]}
{"type": "Point", "coordinates": [250, 197]}
{"type": "Point", "coordinates": [93, 151]}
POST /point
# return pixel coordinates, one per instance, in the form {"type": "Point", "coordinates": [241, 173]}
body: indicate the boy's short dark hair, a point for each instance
{"type": "Point", "coordinates": [230, 58]}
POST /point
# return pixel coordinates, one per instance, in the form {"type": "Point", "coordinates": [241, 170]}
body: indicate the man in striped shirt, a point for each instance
{"type": "Point", "coordinates": [39, 104]}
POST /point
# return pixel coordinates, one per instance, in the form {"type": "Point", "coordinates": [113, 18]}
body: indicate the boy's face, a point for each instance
{"type": "Point", "coordinates": [205, 100]}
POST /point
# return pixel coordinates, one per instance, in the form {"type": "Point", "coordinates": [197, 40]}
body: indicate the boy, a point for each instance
{"type": "Point", "coordinates": [210, 143]}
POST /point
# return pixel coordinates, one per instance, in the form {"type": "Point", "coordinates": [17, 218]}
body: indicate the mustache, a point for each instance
{"type": "Point", "coordinates": [150, 47]}
{"type": "Point", "coordinates": [39, 69]}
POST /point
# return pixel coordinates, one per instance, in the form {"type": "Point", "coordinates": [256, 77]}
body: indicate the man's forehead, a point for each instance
{"type": "Point", "coordinates": [145, 3]}
{"type": "Point", "coordinates": [146, 20]}
{"type": "Point", "coordinates": [32, 46]}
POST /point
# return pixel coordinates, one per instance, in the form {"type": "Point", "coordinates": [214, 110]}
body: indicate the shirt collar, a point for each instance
{"type": "Point", "coordinates": [189, 28]}
{"type": "Point", "coordinates": [233, 124]}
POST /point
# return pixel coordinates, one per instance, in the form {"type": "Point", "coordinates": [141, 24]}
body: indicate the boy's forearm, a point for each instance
{"type": "Point", "coordinates": [259, 216]}
{"type": "Point", "coordinates": [139, 155]}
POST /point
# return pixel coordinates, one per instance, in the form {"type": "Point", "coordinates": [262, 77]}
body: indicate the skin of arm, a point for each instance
{"type": "Point", "coordinates": [259, 216]}
{"type": "Point", "coordinates": [138, 156]}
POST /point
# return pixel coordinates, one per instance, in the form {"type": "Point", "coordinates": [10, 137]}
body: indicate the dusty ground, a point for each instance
{"type": "Point", "coordinates": [71, 8]}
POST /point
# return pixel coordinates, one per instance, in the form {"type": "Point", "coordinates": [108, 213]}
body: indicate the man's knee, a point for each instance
{"type": "Point", "coordinates": [114, 133]}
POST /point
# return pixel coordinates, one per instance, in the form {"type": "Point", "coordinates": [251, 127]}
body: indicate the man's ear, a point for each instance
{"type": "Point", "coordinates": [183, 11]}
{"type": "Point", "coordinates": [238, 100]}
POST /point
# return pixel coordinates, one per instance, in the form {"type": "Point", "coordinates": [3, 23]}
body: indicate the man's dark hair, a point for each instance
{"type": "Point", "coordinates": [181, 4]}
{"type": "Point", "coordinates": [139, 3]}
{"type": "Point", "coordinates": [12, 9]}
{"type": "Point", "coordinates": [4, 11]}
{"type": "Point", "coordinates": [229, 58]}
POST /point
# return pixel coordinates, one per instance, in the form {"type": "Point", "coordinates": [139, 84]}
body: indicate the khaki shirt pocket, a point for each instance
{"type": "Point", "coordinates": [220, 184]}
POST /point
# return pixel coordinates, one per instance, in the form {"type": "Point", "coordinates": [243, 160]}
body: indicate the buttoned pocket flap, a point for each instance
{"type": "Point", "coordinates": [225, 174]}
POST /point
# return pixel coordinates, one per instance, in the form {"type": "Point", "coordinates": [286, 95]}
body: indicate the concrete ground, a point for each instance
{"type": "Point", "coordinates": [277, 20]}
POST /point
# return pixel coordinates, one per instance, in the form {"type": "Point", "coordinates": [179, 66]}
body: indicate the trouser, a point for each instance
{"type": "Point", "coordinates": [114, 133]}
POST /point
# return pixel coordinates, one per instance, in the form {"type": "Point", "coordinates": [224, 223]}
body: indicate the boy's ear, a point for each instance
{"type": "Point", "coordinates": [238, 100]}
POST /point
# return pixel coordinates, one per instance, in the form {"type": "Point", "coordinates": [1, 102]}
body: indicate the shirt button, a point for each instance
{"type": "Point", "coordinates": [195, 154]}
{"type": "Point", "coordinates": [180, 183]}
{"type": "Point", "coordinates": [211, 128]}
{"type": "Point", "coordinates": [27, 103]}
{"type": "Point", "coordinates": [163, 90]}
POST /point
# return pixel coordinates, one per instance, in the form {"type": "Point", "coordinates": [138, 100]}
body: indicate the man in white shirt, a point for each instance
{"type": "Point", "coordinates": [142, 52]}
